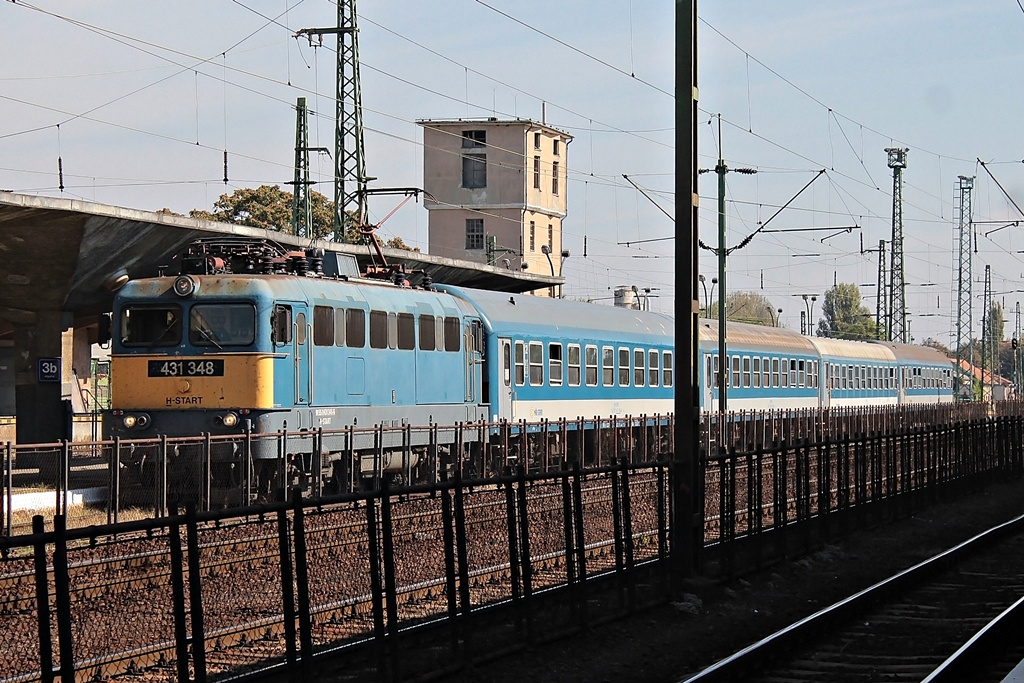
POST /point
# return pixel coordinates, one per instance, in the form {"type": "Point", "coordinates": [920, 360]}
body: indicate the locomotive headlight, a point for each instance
{"type": "Point", "coordinates": [185, 286]}
{"type": "Point", "coordinates": [229, 420]}
{"type": "Point", "coordinates": [128, 421]}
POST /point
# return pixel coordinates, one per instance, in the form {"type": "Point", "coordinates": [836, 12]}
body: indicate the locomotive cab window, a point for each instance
{"type": "Point", "coordinates": [151, 326]}
{"type": "Point", "coordinates": [222, 325]}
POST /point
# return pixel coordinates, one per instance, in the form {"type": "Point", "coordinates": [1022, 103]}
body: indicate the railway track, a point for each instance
{"type": "Point", "coordinates": [904, 628]}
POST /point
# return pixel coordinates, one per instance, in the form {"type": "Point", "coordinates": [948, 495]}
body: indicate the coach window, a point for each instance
{"type": "Point", "coordinates": [607, 366]}
{"type": "Point", "coordinates": [323, 326]}
{"type": "Point", "coordinates": [792, 373]}
{"type": "Point", "coordinates": [339, 326]}
{"type": "Point", "coordinates": [427, 333]}
{"type": "Point", "coordinates": [775, 373]}
{"type": "Point", "coordinates": [735, 360]}
{"type": "Point", "coordinates": [652, 367]}
{"type": "Point", "coordinates": [756, 378]}
{"type": "Point", "coordinates": [574, 365]}
{"type": "Point", "coordinates": [355, 328]}
{"type": "Point", "coordinates": [716, 380]}
{"type": "Point", "coordinates": [639, 367]}
{"type": "Point", "coordinates": [452, 334]}
{"type": "Point", "coordinates": [506, 364]}
{"type": "Point", "coordinates": [783, 373]}
{"type": "Point", "coordinates": [406, 331]}
{"type": "Point", "coordinates": [555, 364]}
{"type": "Point", "coordinates": [746, 372]}
{"type": "Point", "coordinates": [536, 364]}
{"type": "Point", "coordinates": [766, 373]}
{"type": "Point", "coordinates": [666, 368]}
{"type": "Point", "coordinates": [623, 367]}
{"type": "Point", "coordinates": [591, 369]}
{"type": "Point", "coordinates": [520, 360]}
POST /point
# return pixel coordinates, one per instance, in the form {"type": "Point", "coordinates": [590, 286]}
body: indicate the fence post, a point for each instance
{"type": "Point", "coordinates": [524, 549]}
{"type": "Point", "coordinates": [287, 591]}
{"type": "Point", "coordinates": [462, 555]}
{"type": "Point", "coordinates": [178, 601]}
{"type": "Point", "coordinates": [42, 600]}
{"type": "Point", "coordinates": [195, 589]}
{"type": "Point", "coordinates": [390, 583]}
{"type": "Point", "coordinates": [450, 579]}
{"type": "Point", "coordinates": [9, 487]}
{"type": "Point", "coordinates": [302, 589]}
{"type": "Point", "coordinates": [62, 595]}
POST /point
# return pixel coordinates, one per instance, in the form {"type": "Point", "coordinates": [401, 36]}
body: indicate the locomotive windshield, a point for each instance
{"type": "Point", "coordinates": [151, 326]}
{"type": "Point", "coordinates": [222, 325]}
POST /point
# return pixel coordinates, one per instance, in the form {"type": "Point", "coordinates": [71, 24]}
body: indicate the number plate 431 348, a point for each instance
{"type": "Point", "coordinates": [196, 367]}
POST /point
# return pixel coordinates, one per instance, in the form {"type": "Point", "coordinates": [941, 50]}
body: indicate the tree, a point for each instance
{"type": "Point", "coordinates": [748, 307]}
{"type": "Point", "coordinates": [845, 317]}
{"type": "Point", "coordinates": [931, 342]}
{"type": "Point", "coordinates": [269, 207]}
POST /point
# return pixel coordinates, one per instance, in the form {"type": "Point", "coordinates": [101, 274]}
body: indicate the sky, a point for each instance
{"type": "Point", "coordinates": [138, 101]}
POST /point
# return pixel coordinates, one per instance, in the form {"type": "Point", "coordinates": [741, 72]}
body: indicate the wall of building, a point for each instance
{"type": "Point", "coordinates": [522, 159]}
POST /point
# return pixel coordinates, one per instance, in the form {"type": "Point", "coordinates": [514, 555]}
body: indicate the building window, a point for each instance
{"type": "Point", "coordinates": [533, 236]}
{"type": "Point", "coordinates": [536, 173]}
{"type": "Point", "coordinates": [556, 147]}
{"type": "Point", "coordinates": [536, 140]}
{"type": "Point", "coordinates": [474, 138]}
{"type": "Point", "coordinates": [554, 177]}
{"type": "Point", "coordinates": [474, 233]}
{"type": "Point", "coordinates": [474, 171]}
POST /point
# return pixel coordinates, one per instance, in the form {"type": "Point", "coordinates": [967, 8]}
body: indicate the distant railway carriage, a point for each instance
{"type": "Point", "coordinates": [251, 342]}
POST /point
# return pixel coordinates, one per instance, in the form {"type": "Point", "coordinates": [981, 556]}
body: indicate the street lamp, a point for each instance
{"type": "Point", "coordinates": [707, 299]}
{"type": "Point", "coordinates": [546, 250]}
{"type": "Point", "coordinates": [809, 300]}
{"type": "Point", "coordinates": [771, 313]}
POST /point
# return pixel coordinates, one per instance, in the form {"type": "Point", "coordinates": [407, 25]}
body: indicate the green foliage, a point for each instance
{"type": "Point", "coordinates": [845, 317]}
{"type": "Point", "coordinates": [748, 307]}
{"type": "Point", "coordinates": [269, 207]}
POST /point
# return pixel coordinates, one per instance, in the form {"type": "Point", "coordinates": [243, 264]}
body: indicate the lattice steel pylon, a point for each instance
{"type": "Point", "coordinates": [349, 158]}
{"type": "Point", "coordinates": [896, 325]}
{"type": "Point", "coordinates": [302, 215]}
{"type": "Point", "coordinates": [964, 311]}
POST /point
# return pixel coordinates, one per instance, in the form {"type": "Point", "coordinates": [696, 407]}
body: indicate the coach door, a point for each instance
{"type": "Point", "coordinates": [504, 392]}
{"type": "Point", "coordinates": [302, 359]}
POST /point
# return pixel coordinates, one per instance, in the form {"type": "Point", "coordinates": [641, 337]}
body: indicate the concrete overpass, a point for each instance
{"type": "Point", "coordinates": [61, 260]}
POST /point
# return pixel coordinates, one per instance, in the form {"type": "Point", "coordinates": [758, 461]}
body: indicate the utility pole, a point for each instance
{"type": "Point", "coordinates": [723, 370]}
{"type": "Point", "coordinates": [986, 336]}
{"type": "Point", "coordinates": [963, 313]}
{"type": "Point", "coordinates": [350, 163]}
{"type": "Point", "coordinates": [1015, 345]}
{"type": "Point", "coordinates": [882, 302]}
{"type": "Point", "coordinates": [302, 215]}
{"type": "Point", "coordinates": [896, 327]}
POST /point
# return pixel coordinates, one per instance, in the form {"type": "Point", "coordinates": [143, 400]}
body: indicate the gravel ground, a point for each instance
{"type": "Point", "coordinates": [715, 620]}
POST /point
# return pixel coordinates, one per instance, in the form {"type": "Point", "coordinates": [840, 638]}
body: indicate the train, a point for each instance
{"type": "Point", "coordinates": [253, 339]}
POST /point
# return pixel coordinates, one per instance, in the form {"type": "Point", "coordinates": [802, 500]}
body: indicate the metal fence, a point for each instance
{"type": "Point", "coordinates": [206, 594]}
{"type": "Point", "coordinates": [393, 583]}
